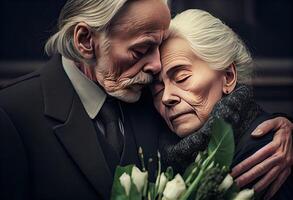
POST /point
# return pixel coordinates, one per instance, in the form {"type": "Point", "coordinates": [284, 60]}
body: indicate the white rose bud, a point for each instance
{"type": "Point", "coordinates": [174, 188]}
{"type": "Point", "coordinates": [125, 182]}
{"type": "Point", "coordinates": [226, 183]}
{"type": "Point", "coordinates": [246, 194]}
{"type": "Point", "coordinates": [198, 157]}
{"type": "Point", "coordinates": [162, 184]}
{"type": "Point", "coordinates": [139, 178]}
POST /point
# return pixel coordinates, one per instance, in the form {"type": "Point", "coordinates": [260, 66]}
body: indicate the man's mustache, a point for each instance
{"type": "Point", "coordinates": [141, 78]}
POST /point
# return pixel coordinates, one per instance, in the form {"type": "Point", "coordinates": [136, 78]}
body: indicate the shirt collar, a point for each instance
{"type": "Point", "coordinates": [91, 95]}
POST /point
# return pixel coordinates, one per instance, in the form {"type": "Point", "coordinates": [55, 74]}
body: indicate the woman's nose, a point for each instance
{"type": "Point", "coordinates": [170, 99]}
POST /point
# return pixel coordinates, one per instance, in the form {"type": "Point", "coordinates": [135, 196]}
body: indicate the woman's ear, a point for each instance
{"type": "Point", "coordinates": [230, 79]}
{"type": "Point", "coordinates": [84, 41]}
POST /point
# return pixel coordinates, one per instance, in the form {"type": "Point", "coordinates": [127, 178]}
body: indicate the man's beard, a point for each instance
{"type": "Point", "coordinates": [130, 89]}
{"type": "Point", "coordinates": [127, 90]}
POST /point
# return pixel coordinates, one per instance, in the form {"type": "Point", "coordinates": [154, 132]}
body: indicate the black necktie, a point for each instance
{"type": "Point", "coordinates": [109, 115]}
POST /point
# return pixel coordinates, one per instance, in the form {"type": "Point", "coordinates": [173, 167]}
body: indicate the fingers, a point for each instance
{"type": "Point", "coordinates": [267, 179]}
{"type": "Point", "coordinates": [258, 171]}
{"type": "Point", "coordinates": [254, 159]}
{"type": "Point", "coordinates": [277, 184]}
{"type": "Point", "coordinates": [266, 126]}
{"type": "Point", "coordinates": [274, 158]}
{"type": "Point", "coordinates": [272, 124]}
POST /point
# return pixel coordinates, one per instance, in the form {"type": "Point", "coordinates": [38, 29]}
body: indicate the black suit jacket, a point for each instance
{"type": "Point", "coordinates": [49, 148]}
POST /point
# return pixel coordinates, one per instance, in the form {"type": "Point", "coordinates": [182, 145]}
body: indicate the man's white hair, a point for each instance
{"type": "Point", "coordinates": [213, 42]}
{"type": "Point", "coordinates": [95, 13]}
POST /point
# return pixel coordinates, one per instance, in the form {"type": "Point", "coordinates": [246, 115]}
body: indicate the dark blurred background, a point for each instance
{"type": "Point", "coordinates": [264, 25]}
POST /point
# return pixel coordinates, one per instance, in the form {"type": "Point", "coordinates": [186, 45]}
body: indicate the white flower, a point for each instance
{"type": "Point", "coordinates": [174, 188]}
{"type": "Point", "coordinates": [125, 182]}
{"type": "Point", "coordinates": [244, 194]}
{"type": "Point", "coordinates": [139, 178]}
{"type": "Point", "coordinates": [163, 182]}
{"type": "Point", "coordinates": [226, 183]}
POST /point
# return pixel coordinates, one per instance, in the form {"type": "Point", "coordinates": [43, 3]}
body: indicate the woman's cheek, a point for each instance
{"type": "Point", "coordinates": [208, 104]}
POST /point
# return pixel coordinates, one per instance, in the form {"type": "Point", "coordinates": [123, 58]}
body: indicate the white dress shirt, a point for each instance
{"type": "Point", "coordinates": [91, 95]}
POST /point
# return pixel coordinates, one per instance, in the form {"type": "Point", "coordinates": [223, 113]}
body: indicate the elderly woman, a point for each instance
{"type": "Point", "coordinates": [205, 68]}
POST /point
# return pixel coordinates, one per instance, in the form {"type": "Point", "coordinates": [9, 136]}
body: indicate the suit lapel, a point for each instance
{"type": "Point", "coordinates": [76, 132]}
{"type": "Point", "coordinates": [79, 138]}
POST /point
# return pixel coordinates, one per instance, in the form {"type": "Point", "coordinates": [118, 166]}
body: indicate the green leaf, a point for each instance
{"type": "Point", "coordinates": [221, 146]}
{"type": "Point", "coordinates": [189, 170]}
{"type": "Point", "coordinates": [121, 197]}
{"type": "Point", "coordinates": [134, 194]}
{"type": "Point", "coordinates": [118, 191]}
{"type": "Point", "coordinates": [152, 191]}
{"type": "Point", "coordinates": [192, 170]}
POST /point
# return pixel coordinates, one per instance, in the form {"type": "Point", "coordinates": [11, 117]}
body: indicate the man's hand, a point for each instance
{"type": "Point", "coordinates": [274, 160]}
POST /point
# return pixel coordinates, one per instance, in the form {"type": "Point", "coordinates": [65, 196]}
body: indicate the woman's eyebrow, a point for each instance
{"type": "Point", "coordinates": [175, 68]}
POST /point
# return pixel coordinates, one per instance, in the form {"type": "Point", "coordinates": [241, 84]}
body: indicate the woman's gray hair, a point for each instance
{"type": "Point", "coordinates": [95, 13]}
{"type": "Point", "coordinates": [213, 42]}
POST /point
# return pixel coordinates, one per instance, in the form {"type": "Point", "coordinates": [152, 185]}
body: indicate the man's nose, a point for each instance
{"type": "Point", "coordinates": [153, 64]}
{"type": "Point", "coordinates": [169, 99]}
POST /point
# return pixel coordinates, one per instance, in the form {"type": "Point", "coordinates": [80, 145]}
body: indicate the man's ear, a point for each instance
{"type": "Point", "coordinates": [230, 79]}
{"type": "Point", "coordinates": [84, 41]}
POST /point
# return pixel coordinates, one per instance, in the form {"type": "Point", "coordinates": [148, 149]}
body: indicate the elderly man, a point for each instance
{"type": "Point", "coordinates": [65, 127]}
{"type": "Point", "coordinates": [63, 135]}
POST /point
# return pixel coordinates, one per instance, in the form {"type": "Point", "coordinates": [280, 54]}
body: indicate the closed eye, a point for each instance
{"type": "Point", "coordinates": [140, 51]}
{"type": "Point", "coordinates": [179, 73]}
{"type": "Point", "coordinates": [181, 78]}
{"type": "Point", "coordinates": [137, 54]}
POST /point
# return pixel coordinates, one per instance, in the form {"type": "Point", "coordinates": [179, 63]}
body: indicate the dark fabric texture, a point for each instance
{"type": "Point", "coordinates": [109, 115]}
{"type": "Point", "coordinates": [238, 109]}
{"type": "Point", "coordinates": [50, 148]}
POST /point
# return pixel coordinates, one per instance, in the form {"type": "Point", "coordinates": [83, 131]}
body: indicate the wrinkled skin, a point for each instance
{"type": "Point", "coordinates": [179, 98]}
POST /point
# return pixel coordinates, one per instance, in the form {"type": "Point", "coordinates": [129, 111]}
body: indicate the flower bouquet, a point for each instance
{"type": "Point", "coordinates": [206, 178]}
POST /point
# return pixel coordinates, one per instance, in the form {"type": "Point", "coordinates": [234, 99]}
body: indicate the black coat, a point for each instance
{"type": "Point", "coordinates": [49, 147]}
{"type": "Point", "coordinates": [248, 145]}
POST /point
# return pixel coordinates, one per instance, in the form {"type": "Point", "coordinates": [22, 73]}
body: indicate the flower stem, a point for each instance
{"type": "Point", "coordinates": [140, 153]}
{"type": "Point", "coordinates": [193, 186]}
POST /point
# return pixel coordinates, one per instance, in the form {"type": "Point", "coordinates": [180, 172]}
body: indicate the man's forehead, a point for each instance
{"type": "Point", "coordinates": [139, 26]}
{"type": "Point", "coordinates": [140, 17]}
{"type": "Point", "coordinates": [147, 39]}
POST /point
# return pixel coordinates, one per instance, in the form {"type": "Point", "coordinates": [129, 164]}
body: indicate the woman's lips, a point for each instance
{"type": "Point", "coordinates": [179, 116]}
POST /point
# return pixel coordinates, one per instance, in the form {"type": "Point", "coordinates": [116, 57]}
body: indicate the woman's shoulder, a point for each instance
{"type": "Point", "coordinates": [247, 144]}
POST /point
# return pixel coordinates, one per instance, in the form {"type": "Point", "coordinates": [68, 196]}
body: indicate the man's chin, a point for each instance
{"type": "Point", "coordinates": [126, 95]}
